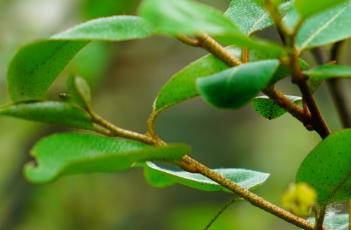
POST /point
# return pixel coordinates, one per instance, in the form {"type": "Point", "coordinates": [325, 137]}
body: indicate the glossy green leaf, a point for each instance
{"type": "Point", "coordinates": [79, 91]}
{"type": "Point", "coordinates": [182, 85]}
{"type": "Point", "coordinates": [327, 27]}
{"type": "Point", "coordinates": [329, 71]}
{"type": "Point", "coordinates": [35, 66]}
{"type": "Point", "coordinates": [69, 153]}
{"type": "Point", "coordinates": [334, 221]}
{"type": "Point", "coordinates": [269, 109]}
{"type": "Point", "coordinates": [235, 87]}
{"type": "Point", "coordinates": [185, 17]}
{"type": "Point", "coordinates": [60, 113]}
{"type": "Point", "coordinates": [162, 177]}
{"type": "Point", "coordinates": [307, 8]}
{"type": "Point", "coordinates": [327, 168]}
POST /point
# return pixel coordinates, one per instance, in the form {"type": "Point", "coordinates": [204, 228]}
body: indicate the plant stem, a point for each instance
{"type": "Point", "coordinates": [320, 218]}
{"type": "Point", "coordinates": [336, 91]}
{"type": "Point", "coordinates": [295, 110]}
{"type": "Point", "coordinates": [197, 167]}
{"type": "Point", "coordinates": [117, 131]}
{"type": "Point", "coordinates": [191, 165]}
{"type": "Point", "coordinates": [226, 205]}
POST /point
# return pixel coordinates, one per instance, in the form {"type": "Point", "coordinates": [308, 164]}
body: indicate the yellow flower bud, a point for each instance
{"type": "Point", "coordinates": [299, 199]}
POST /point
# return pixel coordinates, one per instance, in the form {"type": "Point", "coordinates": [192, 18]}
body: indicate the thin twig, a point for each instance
{"type": "Point", "coordinates": [219, 213]}
{"type": "Point", "coordinates": [189, 164]}
{"type": "Point", "coordinates": [320, 218]}
{"type": "Point", "coordinates": [336, 91]}
{"type": "Point", "coordinates": [117, 131]}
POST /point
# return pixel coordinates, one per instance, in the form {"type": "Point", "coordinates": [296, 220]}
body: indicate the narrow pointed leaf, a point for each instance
{"type": "Point", "coordinates": [185, 17]}
{"type": "Point", "coordinates": [64, 154]}
{"type": "Point", "coordinates": [35, 66]}
{"type": "Point", "coordinates": [51, 112]}
{"type": "Point", "coordinates": [235, 87]}
{"type": "Point", "coordinates": [307, 8]}
{"type": "Point", "coordinates": [327, 168]}
{"type": "Point", "coordinates": [269, 109]}
{"type": "Point", "coordinates": [162, 177]}
{"type": "Point", "coordinates": [327, 27]}
{"type": "Point", "coordinates": [329, 71]}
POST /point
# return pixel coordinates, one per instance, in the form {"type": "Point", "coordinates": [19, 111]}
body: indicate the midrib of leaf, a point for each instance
{"type": "Point", "coordinates": [322, 28]}
{"type": "Point", "coordinates": [262, 17]}
{"type": "Point", "coordinates": [339, 186]}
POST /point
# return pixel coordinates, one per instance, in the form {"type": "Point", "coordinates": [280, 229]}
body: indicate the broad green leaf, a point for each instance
{"type": "Point", "coordinates": [327, 168]}
{"type": "Point", "coordinates": [60, 113]}
{"type": "Point", "coordinates": [307, 8]}
{"type": "Point", "coordinates": [162, 177]}
{"type": "Point", "coordinates": [327, 27]}
{"type": "Point", "coordinates": [334, 221]}
{"type": "Point", "coordinates": [248, 15]}
{"type": "Point", "coordinates": [182, 85]}
{"type": "Point", "coordinates": [329, 71]}
{"type": "Point", "coordinates": [235, 87]}
{"type": "Point", "coordinates": [185, 17]}
{"type": "Point", "coordinates": [69, 153]}
{"type": "Point", "coordinates": [270, 109]}
{"type": "Point", "coordinates": [35, 66]}
{"type": "Point", "coordinates": [79, 91]}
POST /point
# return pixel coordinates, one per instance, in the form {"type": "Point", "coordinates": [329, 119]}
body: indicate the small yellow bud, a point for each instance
{"type": "Point", "coordinates": [299, 199]}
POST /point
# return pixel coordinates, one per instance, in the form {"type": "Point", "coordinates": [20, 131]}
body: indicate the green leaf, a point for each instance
{"type": "Point", "coordinates": [307, 8]}
{"type": "Point", "coordinates": [79, 91]}
{"type": "Point", "coordinates": [235, 87]}
{"type": "Point", "coordinates": [162, 177]}
{"type": "Point", "coordinates": [35, 66]}
{"type": "Point", "coordinates": [325, 28]}
{"type": "Point", "coordinates": [327, 168]}
{"type": "Point", "coordinates": [329, 71]}
{"type": "Point", "coordinates": [182, 85]}
{"type": "Point", "coordinates": [251, 16]}
{"type": "Point", "coordinates": [248, 15]}
{"type": "Point", "coordinates": [59, 113]}
{"type": "Point", "coordinates": [270, 109]}
{"type": "Point", "coordinates": [64, 154]}
{"type": "Point", "coordinates": [334, 221]}
{"type": "Point", "coordinates": [185, 17]}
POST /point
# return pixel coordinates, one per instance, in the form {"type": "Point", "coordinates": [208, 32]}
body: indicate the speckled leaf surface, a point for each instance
{"type": "Point", "coordinates": [162, 177]}
{"type": "Point", "coordinates": [327, 168]}
{"type": "Point", "coordinates": [70, 153]}
{"type": "Point", "coordinates": [269, 109]}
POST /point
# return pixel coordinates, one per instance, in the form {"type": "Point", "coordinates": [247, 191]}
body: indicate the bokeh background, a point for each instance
{"type": "Point", "coordinates": [126, 77]}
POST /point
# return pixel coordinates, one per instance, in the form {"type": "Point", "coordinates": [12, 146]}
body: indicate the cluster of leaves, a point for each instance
{"type": "Point", "coordinates": [35, 67]}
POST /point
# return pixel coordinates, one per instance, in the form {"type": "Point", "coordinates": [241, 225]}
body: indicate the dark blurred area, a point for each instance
{"type": "Point", "coordinates": [126, 78]}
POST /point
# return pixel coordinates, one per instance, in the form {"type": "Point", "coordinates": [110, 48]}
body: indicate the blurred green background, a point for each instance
{"type": "Point", "coordinates": [126, 77]}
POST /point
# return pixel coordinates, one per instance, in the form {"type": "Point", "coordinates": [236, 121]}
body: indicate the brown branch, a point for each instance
{"type": "Point", "coordinates": [336, 91]}
{"type": "Point", "coordinates": [320, 218]}
{"type": "Point", "coordinates": [197, 167]}
{"type": "Point", "coordinates": [295, 110]}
